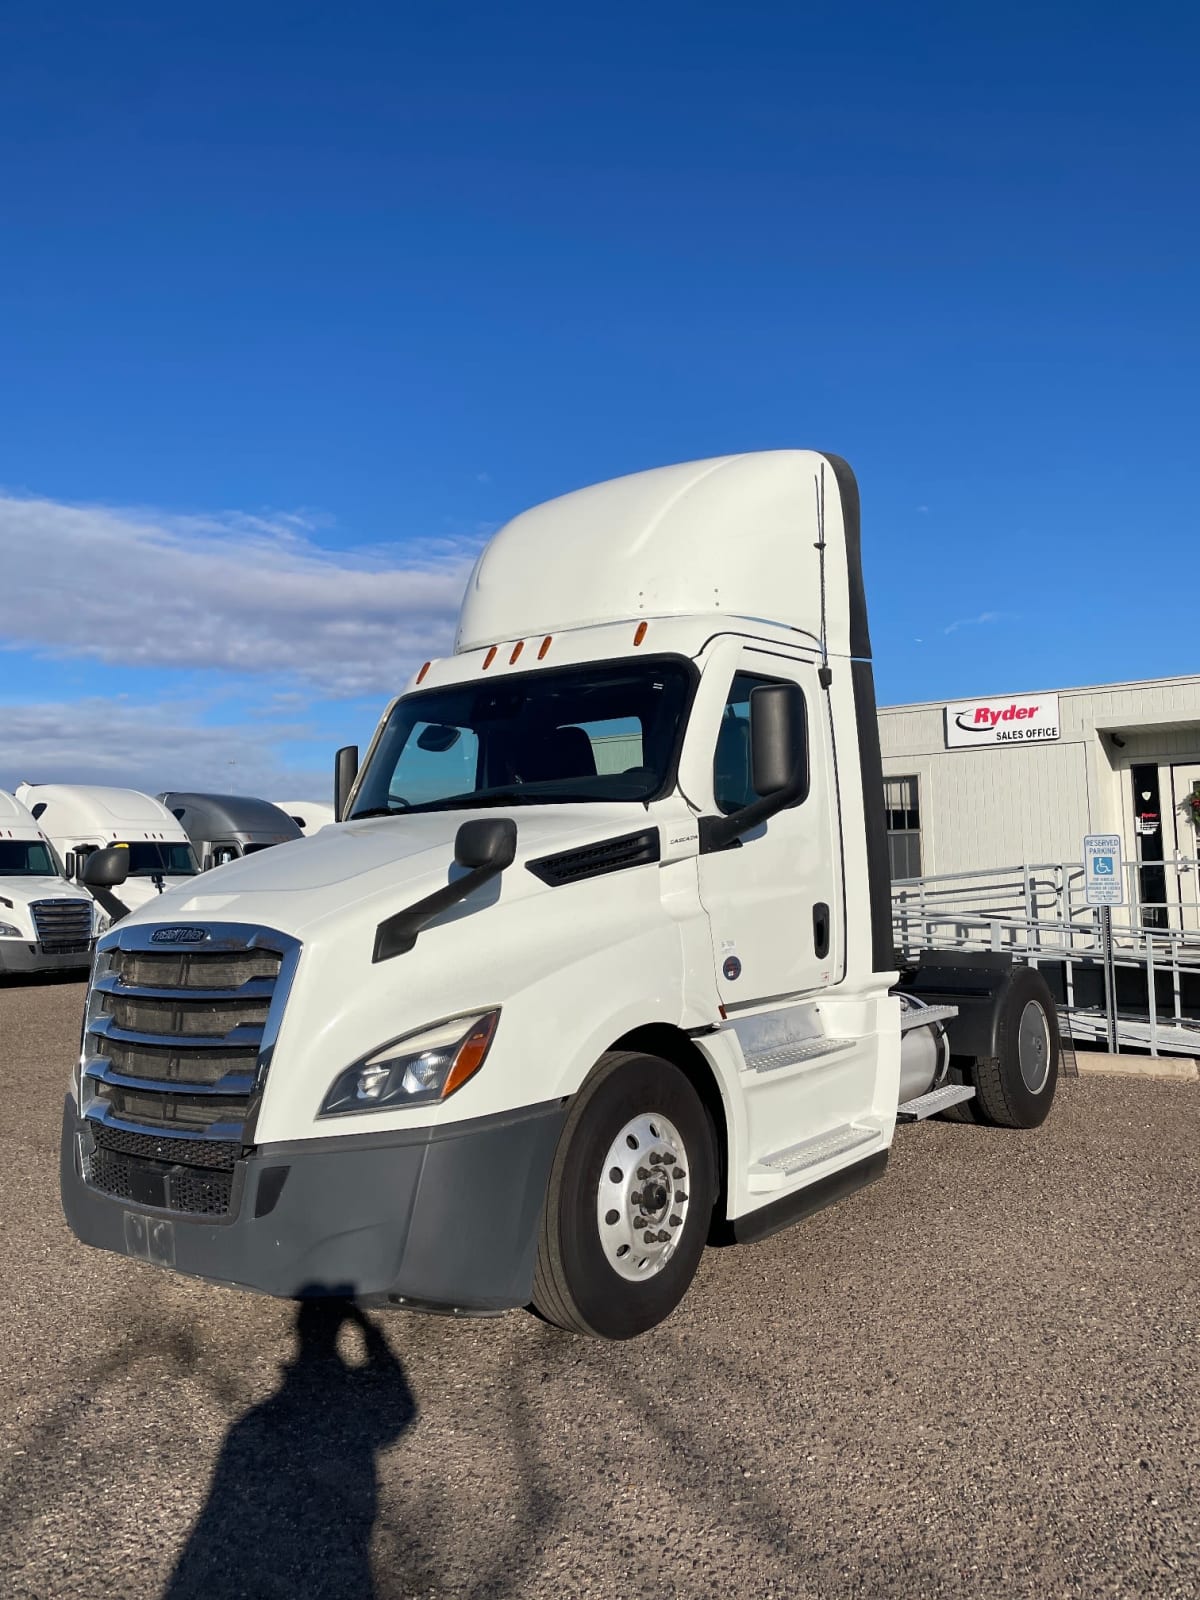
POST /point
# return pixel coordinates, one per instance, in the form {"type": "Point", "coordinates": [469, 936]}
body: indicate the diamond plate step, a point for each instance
{"type": "Point", "coordinates": [773, 1170]}
{"type": "Point", "coordinates": [928, 1105]}
{"type": "Point", "coordinates": [920, 1016]}
{"type": "Point", "coordinates": [791, 1055]}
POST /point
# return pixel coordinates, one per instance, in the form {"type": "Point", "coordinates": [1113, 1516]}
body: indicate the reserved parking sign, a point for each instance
{"type": "Point", "coordinates": [1103, 878]}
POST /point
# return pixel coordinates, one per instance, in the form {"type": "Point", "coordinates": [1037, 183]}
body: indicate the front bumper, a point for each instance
{"type": "Point", "coordinates": [17, 956]}
{"type": "Point", "coordinates": [432, 1218]}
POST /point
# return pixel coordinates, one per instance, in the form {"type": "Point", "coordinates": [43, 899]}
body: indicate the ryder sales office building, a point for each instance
{"type": "Point", "coordinates": [1021, 778]}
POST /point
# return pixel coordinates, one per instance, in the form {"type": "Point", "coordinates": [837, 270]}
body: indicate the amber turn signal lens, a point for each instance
{"type": "Point", "coordinates": [516, 651]}
{"type": "Point", "coordinates": [545, 646]}
{"type": "Point", "coordinates": [471, 1053]}
{"type": "Point", "coordinates": [423, 671]}
{"type": "Point", "coordinates": [640, 633]}
{"type": "Point", "coordinates": [489, 658]}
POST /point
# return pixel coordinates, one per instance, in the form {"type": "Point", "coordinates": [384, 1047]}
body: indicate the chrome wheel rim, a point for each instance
{"type": "Point", "coordinates": [642, 1199]}
{"type": "Point", "coordinates": [1033, 1047]}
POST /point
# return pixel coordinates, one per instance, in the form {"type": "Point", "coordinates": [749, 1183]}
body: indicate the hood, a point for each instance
{"type": "Point", "coordinates": [24, 891]}
{"type": "Point", "coordinates": [398, 859]}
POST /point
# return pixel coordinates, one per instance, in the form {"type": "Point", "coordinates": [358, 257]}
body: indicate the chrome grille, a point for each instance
{"type": "Point", "coordinates": [63, 925]}
{"type": "Point", "coordinates": [177, 1044]}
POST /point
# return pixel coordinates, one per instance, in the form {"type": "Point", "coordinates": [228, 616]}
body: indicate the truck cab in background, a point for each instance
{"type": "Point", "coordinates": [80, 819]}
{"type": "Point", "coordinates": [224, 827]}
{"type": "Point", "coordinates": [308, 815]}
{"type": "Point", "coordinates": [46, 923]}
{"type": "Point", "coordinates": [597, 966]}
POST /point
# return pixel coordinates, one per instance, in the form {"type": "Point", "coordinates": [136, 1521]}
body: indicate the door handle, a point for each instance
{"type": "Point", "coordinates": [821, 930]}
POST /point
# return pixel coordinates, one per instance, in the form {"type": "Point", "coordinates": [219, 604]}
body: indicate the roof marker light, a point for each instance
{"type": "Point", "coordinates": [489, 658]}
{"type": "Point", "coordinates": [516, 651]}
{"type": "Point", "coordinates": [640, 634]}
{"type": "Point", "coordinates": [545, 646]}
{"type": "Point", "coordinates": [423, 671]}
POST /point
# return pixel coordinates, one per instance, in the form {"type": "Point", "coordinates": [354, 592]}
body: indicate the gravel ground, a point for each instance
{"type": "Point", "coordinates": [977, 1378]}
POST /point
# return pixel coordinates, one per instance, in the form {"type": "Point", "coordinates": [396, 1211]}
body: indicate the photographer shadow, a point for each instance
{"type": "Point", "coordinates": [294, 1495]}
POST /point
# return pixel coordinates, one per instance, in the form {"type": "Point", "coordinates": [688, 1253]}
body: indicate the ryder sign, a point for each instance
{"type": "Point", "coordinates": [1016, 719]}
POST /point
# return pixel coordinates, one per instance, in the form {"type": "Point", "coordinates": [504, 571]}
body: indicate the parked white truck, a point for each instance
{"type": "Point", "coordinates": [46, 923]}
{"type": "Point", "coordinates": [530, 1028]}
{"type": "Point", "coordinates": [308, 815]}
{"type": "Point", "coordinates": [80, 818]}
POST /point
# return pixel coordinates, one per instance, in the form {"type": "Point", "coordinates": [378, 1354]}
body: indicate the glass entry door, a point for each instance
{"type": "Point", "coordinates": [1183, 872]}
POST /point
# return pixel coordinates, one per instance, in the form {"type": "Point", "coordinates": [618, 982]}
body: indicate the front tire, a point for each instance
{"type": "Point", "coordinates": [629, 1201]}
{"type": "Point", "coordinates": [1015, 1087]}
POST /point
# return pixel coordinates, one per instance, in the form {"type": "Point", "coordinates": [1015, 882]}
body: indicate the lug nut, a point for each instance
{"type": "Point", "coordinates": [676, 1173]}
{"type": "Point", "coordinates": [676, 1222]}
{"type": "Point", "coordinates": [680, 1197]}
{"type": "Point", "coordinates": [642, 1174]}
{"type": "Point", "coordinates": [664, 1237]}
{"type": "Point", "coordinates": [635, 1199]}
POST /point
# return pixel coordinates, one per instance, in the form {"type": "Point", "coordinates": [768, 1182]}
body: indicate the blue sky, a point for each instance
{"type": "Point", "coordinates": [298, 302]}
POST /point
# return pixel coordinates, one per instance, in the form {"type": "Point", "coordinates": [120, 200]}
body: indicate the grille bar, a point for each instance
{"type": "Point", "coordinates": [246, 1037]}
{"type": "Point", "coordinates": [216, 1132]}
{"type": "Point", "coordinates": [253, 989]}
{"type": "Point", "coordinates": [231, 1084]}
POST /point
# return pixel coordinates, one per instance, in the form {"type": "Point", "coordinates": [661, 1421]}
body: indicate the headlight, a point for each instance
{"type": "Point", "coordinates": [424, 1066]}
{"type": "Point", "coordinates": [7, 931]}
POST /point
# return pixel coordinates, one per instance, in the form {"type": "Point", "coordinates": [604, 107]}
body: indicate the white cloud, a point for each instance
{"type": "Point", "coordinates": [155, 747]}
{"type": "Point", "coordinates": [238, 593]}
{"type": "Point", "coordinates": [981, 620]}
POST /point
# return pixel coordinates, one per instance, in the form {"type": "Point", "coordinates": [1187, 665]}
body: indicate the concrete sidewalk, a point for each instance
{"type": "Point", "coordinates": [1174, 1068]}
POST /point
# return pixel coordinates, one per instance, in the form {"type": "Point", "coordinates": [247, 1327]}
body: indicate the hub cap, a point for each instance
{"type": "Point", "coordinates": [1033, 1047]}
{"type": "Point", "coordinates": [642, 1201]}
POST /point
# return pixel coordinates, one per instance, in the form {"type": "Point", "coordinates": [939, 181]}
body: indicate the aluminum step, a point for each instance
{"type": "Point", "coordinates": [921, 1016]}
{"type": "Point", "coordinates": [773, 1171]}
{"type": "Point", "coordinates": [791, 1055]}
{"type": "Point", "coordinates": [928, 1105]}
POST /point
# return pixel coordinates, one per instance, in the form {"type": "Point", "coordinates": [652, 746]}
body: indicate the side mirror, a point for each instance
{"type": "Point", "coordinates": [345, 770]}
{"type": "Point", "coordinates": [105, 869]}
{"type": "Point", "coordinates": [486, 842]}
{"type": "Point", "coordinates": [206, 864]}
{"type": "Point", "coordinates": [778, 741]}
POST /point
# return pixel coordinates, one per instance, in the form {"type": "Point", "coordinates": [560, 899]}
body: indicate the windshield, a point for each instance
{"type": "Point", "coordinates": [598, 732]}
{"type": "Point", "coordinates": [171, 860]}
{"type": "Point", "coordinates": [26, 858]}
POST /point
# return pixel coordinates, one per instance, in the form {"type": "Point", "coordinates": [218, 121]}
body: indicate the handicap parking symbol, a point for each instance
{"type": "Point", "coordinates": [1102, 866]}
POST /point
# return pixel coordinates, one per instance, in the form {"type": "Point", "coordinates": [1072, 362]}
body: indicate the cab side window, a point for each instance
{"type": "Point", "coordinates": [732, 788]}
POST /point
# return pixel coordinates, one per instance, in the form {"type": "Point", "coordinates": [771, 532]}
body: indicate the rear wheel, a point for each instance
{"type": "Point", "coordinates": [629, 1201]}
{"type": "Point", "coordinates": [1015, 1087]}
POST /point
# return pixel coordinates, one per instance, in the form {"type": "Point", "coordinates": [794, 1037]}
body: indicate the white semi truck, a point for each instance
{"type": "Point", "coordinates": [46, 923]}
{"type": "Point", "coordinates": [529, 1026]}
{"type": "Point", "coordinates": [81, 818]}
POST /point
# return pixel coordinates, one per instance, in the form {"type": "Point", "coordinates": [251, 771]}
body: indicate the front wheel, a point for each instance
{"type": "Point", "coordinates": [629, 1202]}
{"type": "Point", "coordinates": [1015, 1087]}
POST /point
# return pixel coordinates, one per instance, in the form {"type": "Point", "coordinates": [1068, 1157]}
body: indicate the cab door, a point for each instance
{"type": "Point", "coordinates": [774, 899]}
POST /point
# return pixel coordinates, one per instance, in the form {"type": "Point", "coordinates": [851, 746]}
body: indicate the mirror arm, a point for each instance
{"type": "Point", "coordinates": [716, 833]}
{"type": "Point", "coordinates": [108, 901]}
{"type": "Point", "coordinates": [396, 935]}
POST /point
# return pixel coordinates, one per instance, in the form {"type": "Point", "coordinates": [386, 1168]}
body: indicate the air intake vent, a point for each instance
{"type": "Point", "coordinates": [593, 860]}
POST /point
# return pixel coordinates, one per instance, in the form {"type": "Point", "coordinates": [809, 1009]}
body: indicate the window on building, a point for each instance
{"type": "Point", "coordinates": [901, 804]}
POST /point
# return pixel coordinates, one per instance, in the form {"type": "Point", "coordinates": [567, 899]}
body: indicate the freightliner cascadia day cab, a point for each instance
{"type": "Point", "coordinates": [46, 923]}
{"type": "Point", "coordinates": [80, 819]}
{"type": "Point", "coordinates": [223, 827]}
{"type": "Point", "coordinates": [596, 968]}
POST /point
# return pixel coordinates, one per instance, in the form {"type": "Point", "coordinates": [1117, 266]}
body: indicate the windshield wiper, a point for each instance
{"type": "Point", "coordinates": [380, 811]}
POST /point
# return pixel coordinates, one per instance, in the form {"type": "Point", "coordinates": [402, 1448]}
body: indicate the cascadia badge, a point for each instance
{"type": "Point", "coordinates": [179, 936]}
